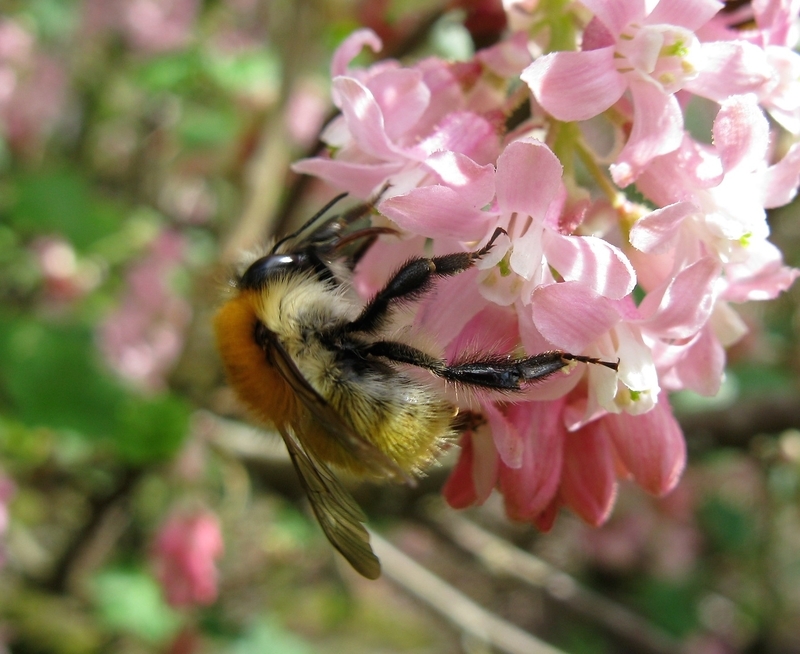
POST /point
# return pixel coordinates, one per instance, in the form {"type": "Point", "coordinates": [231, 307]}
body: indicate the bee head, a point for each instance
{"type": "Point", "coordinates": [270, 267]}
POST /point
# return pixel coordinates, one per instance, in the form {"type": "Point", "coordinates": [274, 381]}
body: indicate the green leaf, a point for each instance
{"type": "Point", "coordinates": [61, 202]}
{"type": "Point", "coordinates": [671, 606]}
{"type": "Point", "coordinates": [728, 527]}
{"type": "Point", "coordinates": [202, 127]}
{"type": "Point", "coordinates": [151, 429]}
{"type": "Point", "coordinates": [170, 73]}
{"type": "Point", "coordinates": [245, 72]}
{"type": "Point", "coordinates": [50, 377]}
{"type": "Point", "coordinates": [270, 636]}
{"type": "Point", "coordinates": [130, 601]}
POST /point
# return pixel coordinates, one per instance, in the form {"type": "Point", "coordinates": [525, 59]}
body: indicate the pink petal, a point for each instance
{"type": "Point", "coordinates": [595, 263]}
{"type": "Point", "coordinates": [508, 58]}
{"type": "Point", "coordinates": [685, 304]}
{"type": "Point", "coordinates": [761, 277]}
{"type": "Point", "coordinates": [381, 260]}
{"type": "Point", "coordinates": [588, 480]}
{"type": "Point", "coordinates": [616, 15]}
{"type": "Point", "coordinates": [528, 178]}
{"type": "Point", "coordinates": [436, 212]}
{"type": "Point", "coordinates": [491, 331]}
{"type": "Point", "coordinates": [575, 85]}
{"type": "Point", "coordinates": [782, 179]}
{"type": "Point", "coordinates": [651, 446]}
{"type": "Point", "coordinates": [701, 369]}
{"type": "Point", "coordinates": [690, 14]}
{"type": "Point", "coordinates": [459, 490]}
{"type": "Point", "coordinates": [507, 439]}
{"type": "Point", "coordinates": [363, 117]}
{"type": "Point", "coordinates": [475, 183]}
{"type": "Point", "coordinates": [596, 35]}
{"type": "Point", "coordinates": [485, 465]}
{"type": "Point", "coordinates": [351, 47]}
{"type": "Point", "coordinates": [571, 315]}
{"type": "Point", "coordinates": [451, 304]}
{"type": "Point", "coordinates": [531, 487]}
{"type": "Point", "coordinates": [657, 129]}
{"type": "Point", "coordinates": [362, 180]}
{"type": "Point", "coordinates": [657, 232]}
{"type": "Point", "coordinates": [527, 254]}
{"type": "Point", "coordinates": [730, 68]}
{"type": "Point", "coordinates": [402, 97]}
{"type": "Point", "coordinates": [546, 519]}
{"type": "Point", "coordinates": [465, 132]}
{"type": "Point", "coordinates": [741, 133]}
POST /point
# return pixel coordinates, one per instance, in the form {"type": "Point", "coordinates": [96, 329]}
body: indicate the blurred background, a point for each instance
{"type": "Point", "coordinates": [142, 144]}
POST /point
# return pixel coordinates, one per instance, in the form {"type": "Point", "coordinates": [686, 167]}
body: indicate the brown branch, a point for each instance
{"type": "Point", "coordinates": [465, 614]}
{"type": "Point", "coordinates": [501, 557]}
{"type": "Point", "coordinates": [100, 508]}
{"type": "Point", "coordinates": [738, 424]}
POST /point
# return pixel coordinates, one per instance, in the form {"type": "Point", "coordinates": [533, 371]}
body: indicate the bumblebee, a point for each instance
{"type": "Point", "coordinates": [304, 355]}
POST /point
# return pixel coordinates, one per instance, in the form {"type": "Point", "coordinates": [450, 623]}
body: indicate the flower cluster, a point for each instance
{"type": "Point", "coordinates": [549, 145]}
{"type": "Point", "coordinates": [143, 337]}
{"type": "Point", "coordinates": [32, 89]}
{"type": "Point", "coordinates": [184, 555]}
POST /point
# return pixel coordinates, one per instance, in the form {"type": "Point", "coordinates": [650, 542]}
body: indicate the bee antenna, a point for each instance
{"type": "Point", "coordinates": [309, 222]}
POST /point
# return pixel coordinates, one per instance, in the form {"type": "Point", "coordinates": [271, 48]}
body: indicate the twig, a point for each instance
{"type": "Point", "coordinates": [453, 605]}
{"type": "Point", "coordinates": [738, 424]}
{"type": "Point", "coordinates": [99, 511]}
{"type": "Point", "coordinates": [501, 557]}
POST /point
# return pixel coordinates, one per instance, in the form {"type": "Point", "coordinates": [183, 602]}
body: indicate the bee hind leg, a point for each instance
{"type": "Point", "coordinates": [495, 373]}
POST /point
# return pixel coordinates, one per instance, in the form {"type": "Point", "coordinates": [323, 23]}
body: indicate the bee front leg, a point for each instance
{"type": "Point", "coordinates": [414, 279]}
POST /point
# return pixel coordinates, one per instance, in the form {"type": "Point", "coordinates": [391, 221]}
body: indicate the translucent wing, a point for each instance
{"type": "Point", "coordinates": [328, 418]}
{"type": "Point", "coordinates": [337, 512]}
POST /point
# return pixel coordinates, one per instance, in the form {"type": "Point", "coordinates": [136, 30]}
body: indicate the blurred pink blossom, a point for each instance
{"type": "Point", "coordinates": [66, 278]}
{"type": "Point", "coordinates": [150, 26]}
{"type": "Point", "coordinates": [7, 490]}
{"type": "Point", "coordinates": [143, 337]}
{"type": "Point", "coordinates": [33, 88]}
{"type": "Point", "coordinates": [184, 554]}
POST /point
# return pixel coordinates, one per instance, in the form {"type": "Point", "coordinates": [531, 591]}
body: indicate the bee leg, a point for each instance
{"type": "Point", "coordinates": [412, 280]}
{"type": "Point", "coordinates": [496, 373]}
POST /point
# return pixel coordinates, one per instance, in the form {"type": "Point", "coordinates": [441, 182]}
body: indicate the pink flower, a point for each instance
{"type": "Point", "coordinates": [652, 55]}
{"type": "Point", "coordinates": [714, 201]}
{"type": "Point", "coordinates": [33, 89]}
{"type": "Point", "coordinates": [65, 276]}
{"type": "Point", "coordinates": [460, 163]}
{"type": "Point", "coordinates": [150, 26]}
{"type": "Point", "coordinates": [577, 469]}
{"type": "Point", "coordinates": [7, 490]}
{"type": "Point", "coordinates": [143, 337]}
{"type": "Point", "coordinates": [393, 119]}
{"type": "Point", "coordinates": [184, 555]}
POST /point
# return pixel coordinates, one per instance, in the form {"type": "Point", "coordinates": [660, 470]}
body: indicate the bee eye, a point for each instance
{"type": "Point", "coordinates": [269, 267]}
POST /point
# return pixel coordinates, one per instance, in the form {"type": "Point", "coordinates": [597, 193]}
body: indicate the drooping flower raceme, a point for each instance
{"type": "Point", "coordinates": [184, 555]}
{"type": "Point", "coordinates": [544, 145]}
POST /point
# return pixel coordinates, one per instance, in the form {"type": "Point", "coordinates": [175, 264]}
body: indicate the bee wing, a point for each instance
{"type": "Point", "coordinates": [329, 419]}
{"type": "Point", "coordinates": [336, 510]}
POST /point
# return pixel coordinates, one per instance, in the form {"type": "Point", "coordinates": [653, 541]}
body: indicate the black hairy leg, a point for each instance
{"type": "Point", "coordinates": [412, 280]}
{"type": "Point", "coordinates": [495, 373]}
